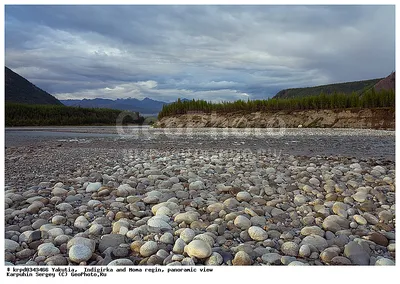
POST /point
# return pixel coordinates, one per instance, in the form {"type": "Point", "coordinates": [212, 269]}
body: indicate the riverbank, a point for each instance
{"type": "Point", "coordinates": [201, 197]}
{"type": "Point", "coordinates": [371, 118]}
{"type": "Point", "coordinates": [94, 206]}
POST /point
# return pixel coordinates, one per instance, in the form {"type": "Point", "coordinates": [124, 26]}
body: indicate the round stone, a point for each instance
{"type": "Point", "coordinates": [187, 217]}
{"type": "Point", "coordinates": [385, 216]}
{"type": "Point", "coordinates": [378, 238]}
{"type": "Point", "coordinates": [360, 196]}
{"type": "Point", "coordinates": [179, 246]}
{"type": "Point", "coordinates": [56, 232]}
{"type": "Point", "coordinates": [360, 219]}
{"type": "Point", "coordinates": [312, 230]}
{"type": "Point", "coordinates": [47, 249]}
{"type": "Point", "coordinates": [257, 233]}
{"type": "Point", "coordinates": [335, 223]}
{"type": "Point", "coordinates": [199, 249]}
{"type": "Point", "coordinates": [187, 235]}
{"type": "Point", "coordinates": [159, 223]}
{"type": "Point", "coordinates": [83, 241]}
{"type": "Point", "coordinates": [243, 196]}
{"type": "Point", "coordinates": [58, 220]}
{"type": "Point", "coordinates": [96, 229]}
{"type": "Point", "coordinates": [215, 259]}
{"type": "Point", "coordinates": [290, 248]}
{"type": "Point", "coordinates": [167, 238]}
{"type": "Point", "coordinates": [79, 253]}
{"type": "Point", "coordinates": [196, 185]}
{"type": "Point", "coordinates": [120, 262]}
{"type": "Point", "coordinates": [241, 258]}
{"type": "Point", "coordinates": [304, 251]}
{"type": "Point", "coordinates": [148, 248]}
{"type": "Point", "coordinates": [58, 191]}
{"type": "Point", "coordinates": [81, 222]}
{"type": "Point", "coordinates": [242, 222]}
{"type": "Point", "coordinates": [215, 207]}
{"type": "Point", "coordinates": [163, 210]}
{"type": "Point", "coordinates": [314, 181]}
{"type": "Point", "coordinates": [356, 253]}
{"type": "Point", "coordinates": [384, 261]}
{"type": "Point", "coordinates": [93, 186]}
{"type": "Point", "coordinates": [300, 200]}
{"type": "Point", "coordinates": [10, 245]}
{"type": "Point", "coordinates": [316, 241]}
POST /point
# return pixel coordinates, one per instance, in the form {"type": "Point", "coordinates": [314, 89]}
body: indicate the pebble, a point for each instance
{"type": "Point", "coordinates": [257, 233]}
{"type": "Point", "coordinates": [47, 249]}
{"type": "Point", "coordinates": [384, 261]}
{"type": "Point", "coordinates": [199, 249]}
{"type": "Point", "coordinates": [121, 262]}
{"type": "Point", "coordinates": [110, 240]}
{"type": "Point", "coordinates": [159, 223]}
{"type": "Point", "coordinates": [79, 253]}
{"type": "Point", "coordinates": [315, 241]}
{"type": "Point", "coordinates": [185, 209]}
{"type": "Point", "coordinates": [378, 239]}
{"type": "Point", "coordinates": [304, 251]}
{"type": "Point", "coordinates": [215, 259]}
{"type": "Point", "coordinates": [11, 245]}
{"type": "Point", "coordinates": [196, 185]}
{"type": "Point", "coordinates": [356, 253]}
{"type": "Point", "coordinates": [93, 186]}
{"type": "Point", "coordinates": [312, 230]}
{"type": "Point", "coordinates": [81, 222]}
{"type": "Point", "coordinates": [360, 219]}
{"type": "Point", "coordinates": [242, 222]}
{"type": "Point", "coordinates": [243, 196]}
{"type": "Point", "coordinates": [241, 258]}
{"type": "Point", "coordinates": [290, 248]}
{"type": "Point", "coordinates": [271, 258]}
{"type": "Point", "coordinates": [148, 248]}
{"type": "Point", "coordinates": [187, 235]}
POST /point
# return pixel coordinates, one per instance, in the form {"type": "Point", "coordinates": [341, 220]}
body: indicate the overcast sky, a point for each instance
{"type": "Point", "coordinates": [208, 52]}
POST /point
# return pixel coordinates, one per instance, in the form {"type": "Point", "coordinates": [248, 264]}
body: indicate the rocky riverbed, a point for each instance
{"type": "Point", "coordinates": [98, 206]}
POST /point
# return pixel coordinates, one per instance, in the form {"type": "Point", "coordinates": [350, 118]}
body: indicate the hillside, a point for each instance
{"type": "Point", "coordinates": [20, 90]}
{"type": "Point", "coordinates": [145, 106]}
{"type": "Point", "coordinates": [358, 87]}
{"type": "Point", "coordinates": [388, 83]}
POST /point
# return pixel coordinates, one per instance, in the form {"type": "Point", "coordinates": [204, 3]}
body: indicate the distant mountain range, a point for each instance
{"type": "Point", "coordinates": [20, 90]}
{"type": "Point", "coordinates": [359, 87]}
{"type": "Point", "coordinates": [145, 106]}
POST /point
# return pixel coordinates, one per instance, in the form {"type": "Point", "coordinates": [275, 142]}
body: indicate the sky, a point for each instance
{"type": "Point", "coordinates": [216, 53]}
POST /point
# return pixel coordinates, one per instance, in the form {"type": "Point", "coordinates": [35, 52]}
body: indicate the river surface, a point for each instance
{"type": "Point", "coordinates": [359, 143]}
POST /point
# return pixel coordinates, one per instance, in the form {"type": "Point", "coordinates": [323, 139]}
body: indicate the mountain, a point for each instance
{"type": "Point", "coordinates": [145, 106]}
{"type": "Point", "coordinates": [348, 87]}
{"type": "Point", "coordinates": [388, 83]}
{"type": "Point", "coordinates": [20, 90]}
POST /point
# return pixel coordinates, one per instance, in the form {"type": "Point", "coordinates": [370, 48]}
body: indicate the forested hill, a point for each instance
{"type": "Point", "coordinates": [347, 88]}
{"type": "Point", "coordinates": [20, 90]}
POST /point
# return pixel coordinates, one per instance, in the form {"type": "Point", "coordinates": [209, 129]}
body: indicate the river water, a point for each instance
{"type": "Point", "coordinates": [360, 143]}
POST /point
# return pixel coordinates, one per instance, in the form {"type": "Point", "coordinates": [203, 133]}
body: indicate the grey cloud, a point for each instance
{"type": "Point", "coordinates": [211, 52]}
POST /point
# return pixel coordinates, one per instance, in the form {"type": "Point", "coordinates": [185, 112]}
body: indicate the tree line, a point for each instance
{"type": "Point", "coordinates": [17, 114]}
{"type": "Point", "coordinates": [370, 99]}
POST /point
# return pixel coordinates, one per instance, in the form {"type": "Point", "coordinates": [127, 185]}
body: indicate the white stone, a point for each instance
{"type": "Point", "coordinates": [148, 248]}
{"type": "Point", "coordinates": [93, 186]}
{"type": "Point", "coordinates": [81, 222]}
{"type": "Point", "coordinates": [257, 233]}
{"type": "Point", "coordinates": [199, 249]}
{"type": "Point", "coordinates": [79, 253]}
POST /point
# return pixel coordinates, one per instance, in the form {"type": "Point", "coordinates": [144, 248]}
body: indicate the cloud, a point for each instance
{"type": "Point", "coordinates": [210, 52]}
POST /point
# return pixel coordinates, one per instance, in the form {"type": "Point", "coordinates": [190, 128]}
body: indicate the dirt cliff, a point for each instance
{"type": "Point", "coordinates": [377, 118]}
